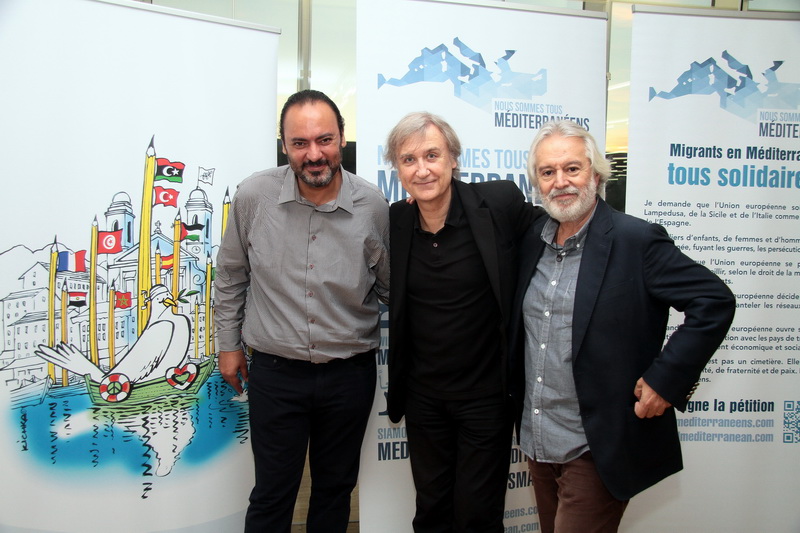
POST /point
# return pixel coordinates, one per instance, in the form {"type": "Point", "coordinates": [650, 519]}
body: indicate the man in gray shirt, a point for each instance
{"type": "Point", "coordinates": [300, 272]}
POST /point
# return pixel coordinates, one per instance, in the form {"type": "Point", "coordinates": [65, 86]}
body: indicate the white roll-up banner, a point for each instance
{"type": "Point", "coordinates": [715, 159]}
{"type": "Point", "coordinates": [125, 129]}
{"type": "Point", "coordinates": [496, 72]}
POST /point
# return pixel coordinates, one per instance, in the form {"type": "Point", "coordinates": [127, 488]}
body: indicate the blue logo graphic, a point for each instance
{"type": "Point", "coordinates": [472, 80]}
{"type": "Point", "coordinates": [739, 93]}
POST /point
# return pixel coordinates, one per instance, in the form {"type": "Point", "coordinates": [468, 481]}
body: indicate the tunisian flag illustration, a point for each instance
{"type": "Point", "coordinates": [109, 242]}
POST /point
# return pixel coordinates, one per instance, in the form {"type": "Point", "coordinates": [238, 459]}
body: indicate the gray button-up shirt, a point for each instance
{"type": "Point", "coordinates": [299, 280]}
{"type": "Point", "coordinates": [552, 431]}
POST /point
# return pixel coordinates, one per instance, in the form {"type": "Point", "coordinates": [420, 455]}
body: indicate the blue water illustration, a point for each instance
{"type": "Point", "coordinates": [67, 433]}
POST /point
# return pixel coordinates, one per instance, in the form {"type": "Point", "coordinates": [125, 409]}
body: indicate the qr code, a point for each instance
{"type": "Point", "coordinates": [791, 422]}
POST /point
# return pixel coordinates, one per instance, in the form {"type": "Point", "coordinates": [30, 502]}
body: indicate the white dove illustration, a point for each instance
{"type": "Point", "coordinates": [162, 345]}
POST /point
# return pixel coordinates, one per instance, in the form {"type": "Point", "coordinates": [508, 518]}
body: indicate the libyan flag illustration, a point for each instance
{"type": "Point", "coordinates": [167, 170]}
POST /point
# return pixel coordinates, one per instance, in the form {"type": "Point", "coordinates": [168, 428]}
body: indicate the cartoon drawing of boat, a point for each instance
{"type": "Point", "coordinates": [155, 365]}
{"type": "Point", "coordinates": [30, 392]}
{"type": "Point", "coordinates": [116, 387]}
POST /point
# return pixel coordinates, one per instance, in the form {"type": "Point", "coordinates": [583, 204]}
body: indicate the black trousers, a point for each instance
{"type": "Point", "coordinates": [460, 452]}
{"type": "Point", "coordinates": [297, 406]}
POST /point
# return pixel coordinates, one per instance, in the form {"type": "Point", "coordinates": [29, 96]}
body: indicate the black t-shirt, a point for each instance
{"type": "Point", "coordinates": [453, 315]}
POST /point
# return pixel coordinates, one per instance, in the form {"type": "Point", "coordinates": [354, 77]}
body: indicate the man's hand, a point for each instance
{"type": "Point", "coordinates": [650, 404]}
{"type": "Point", "coordinates": [232, 365]}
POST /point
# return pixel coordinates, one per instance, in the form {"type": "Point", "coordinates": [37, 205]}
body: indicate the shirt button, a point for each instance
{"type": "Point", "coordinates": [539, 379]}
{"type": "Point", "coordinates": [553, 283]}
{"type": "Point", "coordinates": [312, 321]}
{"type": "Point", "coordinates": [536, 411]}
{"type": "Point", "coordinates": [547, 313]}
{"type": "Point", "coordinates": [436, 245]}
{"type": "Point", "coordinates": [311, 267]}
{"type": "Point", "coordinates": [310, 294]}
{"type": "Point", "coordinates": [313, 346]}
{"type": "Point", "coordinates": [313, 237]}
{"type": "Point", "coordinates": [542, 346]}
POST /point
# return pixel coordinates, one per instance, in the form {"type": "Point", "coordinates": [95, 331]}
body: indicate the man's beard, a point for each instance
{"type": "Point", "coordinates": [577, 208]}
{"type": "Point", "coordinates": [317, 179]}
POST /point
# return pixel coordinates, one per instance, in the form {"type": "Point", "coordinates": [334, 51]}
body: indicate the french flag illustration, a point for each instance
{"type": "Point", "coordinates": [71, 262]}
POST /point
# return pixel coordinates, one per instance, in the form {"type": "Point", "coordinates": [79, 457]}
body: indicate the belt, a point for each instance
{"type": "Point", "coordinates": [369, 354]}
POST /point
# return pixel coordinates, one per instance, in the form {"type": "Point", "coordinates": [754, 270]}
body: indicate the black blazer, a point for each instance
{"type": "Point", "coordinates": [498, 216]}
{"type": "Point", "coordinates": [631, 274]}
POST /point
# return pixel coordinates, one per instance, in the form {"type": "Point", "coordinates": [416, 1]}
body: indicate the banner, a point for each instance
{"type": "Point", "coordinates": [496, 75]}
{"type": "Point", "coordinates": [715, 159]}
{"type": "Point", "coordinates": [113, 416]}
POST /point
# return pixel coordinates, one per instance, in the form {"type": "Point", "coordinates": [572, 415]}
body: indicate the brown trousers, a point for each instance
{"type": "Point", "coordinates": [571, 498]}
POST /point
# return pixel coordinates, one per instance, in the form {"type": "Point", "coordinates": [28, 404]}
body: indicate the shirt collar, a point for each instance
{"type": "Point", "coordinates": [551, 227]}
{"type": "Point", "coordinates": [454, 212]}
{"type": "Point", "coordinates": [290, 192]}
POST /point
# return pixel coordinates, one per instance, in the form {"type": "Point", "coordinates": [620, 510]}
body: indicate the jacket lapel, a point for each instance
{"type": "Point", "coordinates": [592, 271]}
{"type": "Point", "coordinates": [530, 250]}
{"type": "Point", "coordinates": [480, 222]}
{"type": "Point", "coordinates": [402, 230]}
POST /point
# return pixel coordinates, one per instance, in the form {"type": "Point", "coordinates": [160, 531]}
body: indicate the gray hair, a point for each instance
{"type": "Point", "coordinates": [414, 125]}
{"type": "Point", "coordinates": [568, 128]}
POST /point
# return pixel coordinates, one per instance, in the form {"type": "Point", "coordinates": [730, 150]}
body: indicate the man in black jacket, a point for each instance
{"type": "Point", "coordinates": [453, 267]}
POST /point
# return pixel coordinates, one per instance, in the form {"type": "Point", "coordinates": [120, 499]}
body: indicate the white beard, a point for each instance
{"type": "Point", "coordinates": [572, 210]}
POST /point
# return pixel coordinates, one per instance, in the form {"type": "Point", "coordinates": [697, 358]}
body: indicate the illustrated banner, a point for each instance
{"type": "Point", "coordinates": [715, 159]}
{"type": "Point", "coordinates": [495, 75]}
{"type": "Point", "coordinates": [124, 132]}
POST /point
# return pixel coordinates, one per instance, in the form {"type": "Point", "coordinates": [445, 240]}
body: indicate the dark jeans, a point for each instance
{"type": "Point", "coordinates": [571, 498]}
{"type": "Point", "coordinates": [460, 452]}
{"type": "Point", "coordinates": [297, 406]}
